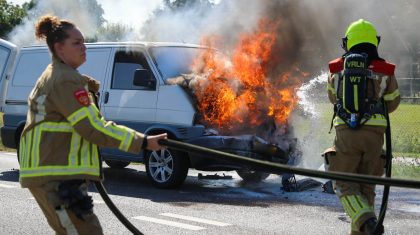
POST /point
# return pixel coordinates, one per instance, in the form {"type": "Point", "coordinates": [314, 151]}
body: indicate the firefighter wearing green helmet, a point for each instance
{"type": "Point", "coordinates": [362, 87]}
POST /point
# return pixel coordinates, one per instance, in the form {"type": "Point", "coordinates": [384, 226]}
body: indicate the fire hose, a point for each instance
{"type": "Point", "coordinates": [101, 189]}
{"type": "Point", "coordinates": [278, 168]}
{"type": "Point", "coordinates": [388, 168]}
{"type": "Point", "coordinates": [263, 166]}
{"type": "Point", "coordinates": [110, 204]}
{"type": "Point", "coordinates": [281, 168]}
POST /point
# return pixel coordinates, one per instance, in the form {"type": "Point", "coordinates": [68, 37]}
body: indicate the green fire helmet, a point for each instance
{"type": "Point", "coordinates": [361, 31]}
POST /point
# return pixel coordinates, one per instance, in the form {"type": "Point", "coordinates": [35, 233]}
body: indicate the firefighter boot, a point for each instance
{"type": "Point", "coordinates": [369, 227]}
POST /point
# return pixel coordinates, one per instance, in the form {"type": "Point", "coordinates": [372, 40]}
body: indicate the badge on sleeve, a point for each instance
{"type": "Point", "coordinates": [82, 97]}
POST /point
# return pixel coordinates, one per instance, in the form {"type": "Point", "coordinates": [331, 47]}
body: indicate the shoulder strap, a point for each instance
{"type": "Point", "coordinates": [380, 66]}
{"type": "Point", "coordinates": [336, 65]}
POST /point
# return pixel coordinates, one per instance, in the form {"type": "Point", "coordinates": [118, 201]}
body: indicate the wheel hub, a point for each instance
{"type": "Point", "coordinates": [160, 165]}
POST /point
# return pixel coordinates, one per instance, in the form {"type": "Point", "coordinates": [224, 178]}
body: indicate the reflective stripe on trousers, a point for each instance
{"type": "Point", "coordinates": [358, 209]}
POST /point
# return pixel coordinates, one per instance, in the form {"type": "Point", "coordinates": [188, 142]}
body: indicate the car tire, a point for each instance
{"type": "Point", "coordinates": [18, 137]}
{"type": "Point", "coordinates": [166, 168]}
{"type": "Point", "coordinates": [252, 176]}
{"type": "Point", "coordinates": [117, 164]}
{"type": "Point", "coordinates": [17, 151]}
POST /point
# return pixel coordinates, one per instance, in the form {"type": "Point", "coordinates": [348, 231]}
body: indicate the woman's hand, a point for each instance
{"type": "Point", "coordinates": [152, 141]}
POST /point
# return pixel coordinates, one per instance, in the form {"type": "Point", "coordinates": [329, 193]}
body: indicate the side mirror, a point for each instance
{"type": "Point", "coordinates": [142, 77]}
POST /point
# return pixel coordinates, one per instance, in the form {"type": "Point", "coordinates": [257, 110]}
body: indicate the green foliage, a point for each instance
{"type": "Point", "coordinates": [95, 9]}
{"type": "Point", "coordinates": [406, 171]}
{"type": "Point", "coordinates": [180, 4]}
{"type": "Point", "coordinates": [114, 32]}
{"type": "Point", "coordinates": [12, 15]}
{"type": "Point", "coordinates": [405, 128]}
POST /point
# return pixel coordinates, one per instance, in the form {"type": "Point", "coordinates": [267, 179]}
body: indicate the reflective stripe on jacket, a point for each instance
{"type": "Point", "coordinates": [64, 129]}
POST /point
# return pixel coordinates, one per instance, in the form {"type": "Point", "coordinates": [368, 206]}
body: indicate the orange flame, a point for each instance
{"type": "Point", "coordinates": [239, 93]}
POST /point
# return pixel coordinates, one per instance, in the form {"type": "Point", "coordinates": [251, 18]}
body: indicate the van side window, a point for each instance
{"type": "Point", "coordinates": [125, 64]}
{"type": "Point", "coordinates": [30, 66]}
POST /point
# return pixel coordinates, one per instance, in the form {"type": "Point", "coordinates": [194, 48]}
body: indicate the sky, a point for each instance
{"type": "Point", "coordinates": [112, 10]}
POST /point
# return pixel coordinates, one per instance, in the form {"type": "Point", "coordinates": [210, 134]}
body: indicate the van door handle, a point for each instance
{"type": "Point", "coordinates": [106, 97]}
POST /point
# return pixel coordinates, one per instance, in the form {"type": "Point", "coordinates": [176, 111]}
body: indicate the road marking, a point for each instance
{"type": "Point", "coordinates": [7, 186]}
{"type": "Point", "coordinates": [195, 219]}
{"type": "Point", "coordinates": [98, 201]}
{"type": "Point", "coordinates": [169, 223]}
{"type": "Point", "coordinates": [8, 153]}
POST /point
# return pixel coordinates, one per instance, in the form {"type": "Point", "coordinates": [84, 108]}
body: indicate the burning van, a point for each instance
{"type": "Point", "coordinates": [165, 87]}
{"type": "Point", "coordinates": [227, 125]}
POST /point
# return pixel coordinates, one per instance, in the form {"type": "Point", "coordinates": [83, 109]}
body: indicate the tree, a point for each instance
{"type": "Point", "coordinates": [112, 32]}
{"type": "Point", "coordinates": [95, 9]}
{"type": "Point", "coordinates": [180, 4]}
{"type": "Point", "coordinates": [12, 15]}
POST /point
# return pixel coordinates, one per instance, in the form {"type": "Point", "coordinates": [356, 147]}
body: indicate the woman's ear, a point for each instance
{"type": "Point", "coordinates": [58, 48]}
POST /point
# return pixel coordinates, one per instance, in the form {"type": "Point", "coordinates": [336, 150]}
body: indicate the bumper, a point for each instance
{"type": "Point", "coordinates": [244, 145]}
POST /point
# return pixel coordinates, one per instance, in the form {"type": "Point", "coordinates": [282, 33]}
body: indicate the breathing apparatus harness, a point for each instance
{"type": "Point", "coordinates": [355, 105]}
{"type": "Point", "coordinates": [355, 90]}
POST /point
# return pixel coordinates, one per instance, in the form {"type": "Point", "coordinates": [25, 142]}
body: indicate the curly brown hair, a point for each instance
{"type": "Point", "coordinates": [52, 29]}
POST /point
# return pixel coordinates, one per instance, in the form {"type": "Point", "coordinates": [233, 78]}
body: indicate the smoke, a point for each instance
{"type": "Point", "coordinates": [189, 24]}
{"type": "Point", "coordinates": [309, 36]}
{"type": "Point", "coordinates": [310, 33]}
{"type": "Point", "coordinates": [83, 13]}
{"type": "Point", "coordinates": [311, 121]}
{"type": "Point", "coordinates": [312, 93]}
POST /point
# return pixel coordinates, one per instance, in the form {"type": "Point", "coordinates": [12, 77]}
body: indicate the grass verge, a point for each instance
{"type": "Point", "coordinates": [403, 171]}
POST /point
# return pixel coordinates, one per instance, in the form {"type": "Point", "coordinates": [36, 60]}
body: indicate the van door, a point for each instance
{"type": "Point", "coordinates": [7, 56]}
{"type": "Point", "coordinates": [123, 102]}
{"type": "Point", "coordinates": [97, 66]}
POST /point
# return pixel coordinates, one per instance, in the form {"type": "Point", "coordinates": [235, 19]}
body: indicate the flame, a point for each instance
{"type": "Point", "coordinates": [240, 92]}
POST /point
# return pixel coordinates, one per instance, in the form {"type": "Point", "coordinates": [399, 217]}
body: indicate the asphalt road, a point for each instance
{"type": "Point", "coordinates": [202, 206]}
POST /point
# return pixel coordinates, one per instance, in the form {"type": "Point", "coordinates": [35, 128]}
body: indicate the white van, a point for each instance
{"type": "Point", "coordinates": [133, 93]}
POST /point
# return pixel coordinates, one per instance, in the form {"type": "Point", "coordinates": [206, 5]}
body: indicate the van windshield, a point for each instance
{"type": "Point", "coordinates": [4, 55]}
{"type": "Point", "coordinates": [174, 61]}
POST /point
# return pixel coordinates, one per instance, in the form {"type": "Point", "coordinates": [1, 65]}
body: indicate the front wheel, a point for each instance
{"type": "Point", "coordinates": [17, 151]}
{"type": "Point", "coordinates": [166, 168]}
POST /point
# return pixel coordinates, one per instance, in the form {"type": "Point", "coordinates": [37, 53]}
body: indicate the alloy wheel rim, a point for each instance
{"type": "Point", "coordinates": [161, 165]}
